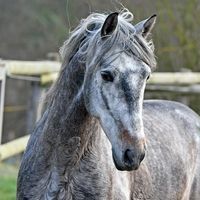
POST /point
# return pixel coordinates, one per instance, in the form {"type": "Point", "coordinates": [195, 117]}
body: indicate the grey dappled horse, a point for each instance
{"type": "Point", "coordinates": [96, 129]}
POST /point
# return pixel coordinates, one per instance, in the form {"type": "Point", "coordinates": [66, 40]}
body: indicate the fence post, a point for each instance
{"type": "Point", "coordinates": [34, 101]}
{"type": "Point", "coordinates": [2, 96]}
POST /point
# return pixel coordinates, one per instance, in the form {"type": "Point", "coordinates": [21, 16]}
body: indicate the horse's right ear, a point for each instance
{"type": "Point", "coordinates": [109, 25]}
{"type": "Point", "coordinates": [144, 27]}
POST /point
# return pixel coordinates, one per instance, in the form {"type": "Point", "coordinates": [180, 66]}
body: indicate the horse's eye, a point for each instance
{"type": "Point", "coordinates": [148, 77]}
{"type": "Point", "coordinates": [107, 76]}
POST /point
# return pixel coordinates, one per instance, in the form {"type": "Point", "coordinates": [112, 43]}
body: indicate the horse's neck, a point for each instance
{"type": "Point", "coordinates": [69, 130]}
{"type": "Point", "coordinates": [62, 137]}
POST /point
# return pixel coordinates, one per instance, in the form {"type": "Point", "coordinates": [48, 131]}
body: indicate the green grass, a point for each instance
{"type": "Point", "coordinates": [8, 180]}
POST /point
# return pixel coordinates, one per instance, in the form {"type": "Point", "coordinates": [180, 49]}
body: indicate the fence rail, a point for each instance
{"type": "Point", "coordinates": [45, 72]}
{"type": "Point", "coordinates": [13, 148]}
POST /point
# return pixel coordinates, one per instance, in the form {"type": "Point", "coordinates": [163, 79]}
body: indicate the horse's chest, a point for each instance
{"type": "Point", "coordinates": [92, 182]}
{"type": "Point", "coordinates": [99, 189]}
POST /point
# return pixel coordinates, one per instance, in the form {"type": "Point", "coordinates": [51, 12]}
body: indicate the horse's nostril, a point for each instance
{"type": "Point", "coordinates": [132, 159]}
{"type": "Point", "coordinates": [128, 157]}
{"type": "Point", "coordinates": [142, 157]}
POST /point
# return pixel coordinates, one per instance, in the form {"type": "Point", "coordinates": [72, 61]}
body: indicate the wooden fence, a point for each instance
{"type": "Point", "coordinates": [45, 72]}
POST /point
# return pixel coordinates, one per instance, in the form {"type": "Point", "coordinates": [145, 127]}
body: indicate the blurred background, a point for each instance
{"type": "Point", "coordinates": [35, 29]}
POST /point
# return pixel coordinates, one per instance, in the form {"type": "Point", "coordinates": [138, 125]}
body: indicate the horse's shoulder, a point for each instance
{"type": "Point", "coordinates": [171, 115]}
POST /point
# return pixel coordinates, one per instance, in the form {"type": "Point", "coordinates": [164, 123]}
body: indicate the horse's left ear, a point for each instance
{"type": "Point", "coordinates": [144, 27]}
{"type": "Point", "coordinates": [109, 25]}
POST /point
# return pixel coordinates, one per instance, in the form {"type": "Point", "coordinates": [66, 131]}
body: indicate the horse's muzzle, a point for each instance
{"type": "Point", "coordinates": [130, 161]}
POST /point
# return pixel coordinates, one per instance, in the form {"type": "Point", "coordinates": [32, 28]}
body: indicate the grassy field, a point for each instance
{"type": "Point", "coordinates": [8, 180]}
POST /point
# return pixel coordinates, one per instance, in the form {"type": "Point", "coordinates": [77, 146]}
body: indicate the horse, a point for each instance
{"type": "Point", "coordinates": [98, 139]}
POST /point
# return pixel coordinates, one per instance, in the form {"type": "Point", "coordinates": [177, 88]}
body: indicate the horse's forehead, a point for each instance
{"type": "Point", "coordinates": [127, 63]}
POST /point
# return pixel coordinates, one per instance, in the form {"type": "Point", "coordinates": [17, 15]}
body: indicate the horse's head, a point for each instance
{"type": "Point", "coordinates": [114, 86]}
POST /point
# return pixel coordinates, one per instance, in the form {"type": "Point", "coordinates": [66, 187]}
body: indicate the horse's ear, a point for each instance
{"type": "Point", "coordinates": [109, 25]}
{"type": "Point", "coordinates": [144, 27]}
